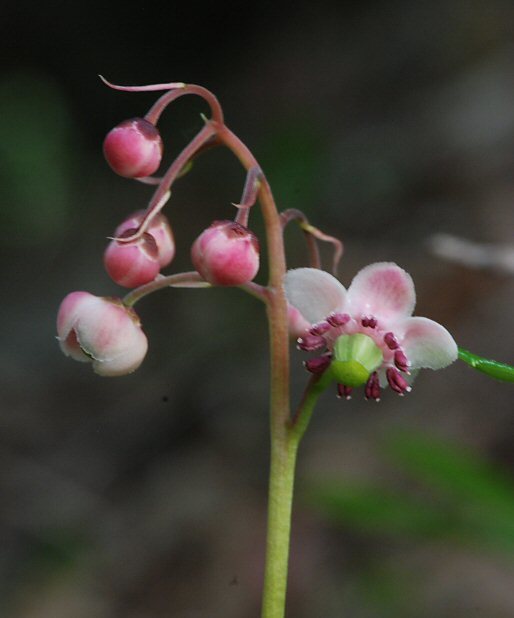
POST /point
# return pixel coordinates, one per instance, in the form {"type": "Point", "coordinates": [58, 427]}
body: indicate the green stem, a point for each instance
{"type": "Point", "coordinates": [301, 419]}
{"type": "Point", "coordinates": [280, 500]}
{"type": "Point", "coordinates": [283, 450]}
{"type": "Point", "coordinates": [281, 488]}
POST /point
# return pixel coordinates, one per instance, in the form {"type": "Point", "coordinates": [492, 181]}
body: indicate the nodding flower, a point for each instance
{"type": "Point", "coordinates": [366, 335]}
{"type": "Point", "coordinates": [101, 331]}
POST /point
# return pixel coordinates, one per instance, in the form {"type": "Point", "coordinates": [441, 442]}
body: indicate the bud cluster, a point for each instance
{"type": "Point", "coordinates": [105, 331]}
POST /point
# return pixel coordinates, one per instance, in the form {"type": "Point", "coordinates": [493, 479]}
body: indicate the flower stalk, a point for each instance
{"type": "Point", "coordinates": [366, 335]}
{"type": "Point", "coordinates": [283, 450]}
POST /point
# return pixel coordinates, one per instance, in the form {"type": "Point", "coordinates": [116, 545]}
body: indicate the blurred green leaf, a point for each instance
{"type": "Point", "coordinates": [56, 551]}
{"type": "Point", "coordinates": [374, 509]}
{"type": "Point", "coordinates": [293, 156]}
{"type": "Point", "coordinates": [35, 154]}
{"type": "Point", "coordinates": [461, 474]}
{"type": "Point", "coordinates": [464, 499]}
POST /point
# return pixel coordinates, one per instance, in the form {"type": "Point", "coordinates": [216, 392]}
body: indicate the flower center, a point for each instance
{"type": "Point", "coordinates": [355, 358]}
{"type": "Point", "coordinates": [350, 373]}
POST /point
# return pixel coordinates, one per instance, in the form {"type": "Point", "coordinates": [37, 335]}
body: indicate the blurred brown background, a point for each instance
{"type": "Point", "coordinates": [144, 497]}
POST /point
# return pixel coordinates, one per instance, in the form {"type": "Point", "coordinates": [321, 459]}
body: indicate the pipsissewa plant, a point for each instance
{"type": "Point", "coordinates": [361, 337]}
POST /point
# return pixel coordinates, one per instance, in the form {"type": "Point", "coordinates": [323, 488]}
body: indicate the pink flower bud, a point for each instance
{"type": "Point", "coordinates": [101, 331]}
{"type": "Point", "coordinates": [133, 148]}
{"type": "Point", "coordinates": [132, 264]}
{"type": "Point", "coordinates": [226, 253]}
{"type": "Point", "coordinates": [159, 228]}
{"type": "Point", "coordinates": [136, 263]}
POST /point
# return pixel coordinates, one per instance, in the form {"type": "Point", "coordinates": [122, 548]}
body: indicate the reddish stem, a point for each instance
{"type": "Point", "coordinates": [158, 201]}
{"type": "Point", "coordinates": [250, 193]}
{"type": "Point", "coordinates": [161, 104]}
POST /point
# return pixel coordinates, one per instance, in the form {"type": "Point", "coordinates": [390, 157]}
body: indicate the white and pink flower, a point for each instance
{"type": "Point", "coordinates": [101, 331]}
{"type": "Point", "coordinates": [366, 334]}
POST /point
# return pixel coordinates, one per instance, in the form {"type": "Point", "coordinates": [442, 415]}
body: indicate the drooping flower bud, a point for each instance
{"type": "Point", "coordinates": [226, 253]}
{"type": "Point", "coordinates": [101, 331]}
{"type": "Point", "coordinates": [136, 263]}
{"type": "Point", "coordinates": [159, 228]}
{"type": "Point", "coordinates": [132, 264]}
{"type": "Point", "coordinates": [133, 148]}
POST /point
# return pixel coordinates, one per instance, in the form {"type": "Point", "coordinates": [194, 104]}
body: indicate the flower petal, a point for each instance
{"type": "Point", "coordinates": [384, 290]}
{"type": "Point", "coordinates": [297, 323]}
{"type": "Point", "coordinates": [315, 293]}
{"type": "Point", "coordinates": [427, 344]}
{"type": "Point", "coordinates": [69, 313]}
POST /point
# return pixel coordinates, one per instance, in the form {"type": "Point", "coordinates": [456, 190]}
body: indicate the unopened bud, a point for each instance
{"type": "Point", "coordinates": [133, 148]}
{"type": "Point", "coordinates": [226, 253]}
{"type": "Point", "coordinates": [132, 264]}
{"type": "Point", "coordinates": [135, 263]}
{"type": "Point", "coordinates": [159, 228]}
{"type": "Point", "coordinates": [101, 331]}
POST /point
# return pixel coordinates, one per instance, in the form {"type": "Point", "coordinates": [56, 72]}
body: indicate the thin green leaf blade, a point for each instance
{"type": "Point", "coordinates": [378, 510]}
{"type": "Point", "coordinates": [492, 368]}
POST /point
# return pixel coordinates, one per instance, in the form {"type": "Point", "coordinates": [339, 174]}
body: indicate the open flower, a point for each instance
{"type": "Point", "coordinates": [366, 334]}
{"type": "Point", "coordinates": [101, 331]}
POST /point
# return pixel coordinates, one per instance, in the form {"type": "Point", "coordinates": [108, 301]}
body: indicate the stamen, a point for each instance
{"type": "Point", "coordinates": [318, 365]}
{"type": "Point", "coordinates": [309, 343]}
{"type": "Point", "coordinates": [372, 389]}
{"type": "Point", "coordinates": [368, 321]}
{"type": "Point", "coordinates": [320, 329]}
{"type": "Point", "coordinates": [338, 319]}
{"type": "Point", "coordinates": [401, 361]}
{"type": "Point", "coordinates": [391, 341]}
{"type": "Point", "coordinates": [344, 391]}
{"type": "Point", "coordinates": [397, 382]}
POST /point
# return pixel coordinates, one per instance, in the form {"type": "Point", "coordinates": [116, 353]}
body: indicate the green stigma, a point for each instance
{"type": "Point", "coordinates": [356, 357]}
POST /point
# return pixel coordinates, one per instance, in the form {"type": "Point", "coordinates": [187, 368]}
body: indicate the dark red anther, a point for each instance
{"type": "Point", "coordinates": [320, 329]}
{"type": "Point", "coordinates": [319, 364]}
{"type": "Point", "coordinates": [344, 391]}
{"type": "Point", "coordinates": [391, 341]}
{"type": "Point", "coordinates": [372, 389]}
{"type": "Point", "coordinates": [338, 319]}
{"type": "Point", "coordinates": [368, 321]}
{"type": "Point", "coordinates": [309, 343]}
{"type": "Point", "coordinates": [397, 382]}
{"type": "Point", "coordinates": [401, 361]}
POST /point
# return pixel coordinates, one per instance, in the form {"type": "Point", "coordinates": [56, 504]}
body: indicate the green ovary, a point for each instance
{"type": "Point", "coordinates": [356, 357]}
{"type": "Point", "coordinates": [349, 373]}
